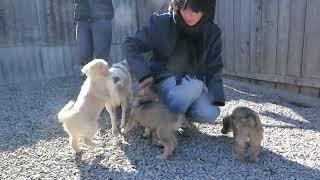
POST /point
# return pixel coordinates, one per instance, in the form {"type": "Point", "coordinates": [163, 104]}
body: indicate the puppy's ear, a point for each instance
{"type": "Point", "coordinates": [115, 79]}
{"type": "Point", "coordinates": [226, 125]}
{"type": "Point", "coordinates": [85, 69]}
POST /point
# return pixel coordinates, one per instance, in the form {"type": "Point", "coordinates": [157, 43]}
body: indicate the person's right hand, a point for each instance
{"type": "Point", "coordinates": [145, 83]}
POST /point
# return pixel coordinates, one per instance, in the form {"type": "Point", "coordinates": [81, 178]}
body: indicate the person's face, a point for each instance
{"type": "Point", "coordinates": [190, 17]}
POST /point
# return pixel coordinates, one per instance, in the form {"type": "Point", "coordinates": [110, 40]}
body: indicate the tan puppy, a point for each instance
{"type": "Point", "coordinates": [120, 89]}
{"type": "Point", "coordinates": [156, 118]}
{"type": "Point", "coordinates": [246, 127]}
{"type": "Point", "coordinates": [80, 118]}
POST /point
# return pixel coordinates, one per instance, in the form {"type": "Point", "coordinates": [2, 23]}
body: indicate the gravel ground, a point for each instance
{"type": "Point", "coordinates": [33, 145]}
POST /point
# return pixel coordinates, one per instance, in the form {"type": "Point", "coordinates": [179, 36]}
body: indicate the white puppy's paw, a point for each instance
{"type": "Point", "coordinates": [122, 125]}
{"type": "Point", "coordinates": [124, 131]}
{"type": "Point", "coordinates": [90, 142]}
{"type": "Point", "coordinates": [115, 131]}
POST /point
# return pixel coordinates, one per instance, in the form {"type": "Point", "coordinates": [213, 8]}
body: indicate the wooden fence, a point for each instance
{"type": "Point", "coordinates": [268, 42]}
{"type": "Point", "coordinates": [272, 42]}
{"type": "Point", "coordinates": [37, 37]}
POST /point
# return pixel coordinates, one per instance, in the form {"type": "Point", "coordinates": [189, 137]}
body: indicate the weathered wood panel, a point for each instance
{"type": "Point", "coordinates": [269, 29]}
{"type": "Point", "coordinates": [222, 21]}
{"type": "Point", "coordinates": [57, 22]}
{"type": "Point", "coordinates": [228, 39]}
{"type": "Point", "coordinates": [146, 8]}
{"type": "Point", "coordinates": [236, 35]}
{"type": "Point", "coordinates": [116, 53]}
{"type": "Point", "coordinates": [255, 35]}
{"type": "Point", "coordinates": [311, 53]}
{"type": "Point", "coordinates": [283, 36]}
{"type": "Point", "coordinates": [125, 20]}
{"type": "Point", "coordinates": [35, 63]}
{"type": "Point", "coordinates": [19, 23]}
{"type": "Point", "coordinates": [244, 36]}
{"type": "Point", "coordinates": [296, 36]}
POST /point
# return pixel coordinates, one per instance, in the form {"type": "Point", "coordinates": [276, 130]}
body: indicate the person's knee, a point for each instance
{"type": "Point", "coordinates": [207, 115]}
{"type": "Point", "coordinates": [177, 103]}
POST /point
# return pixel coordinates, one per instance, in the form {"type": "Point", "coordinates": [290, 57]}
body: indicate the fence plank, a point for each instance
{"type": "Point", "coordinates": [222, 21]}
{"type": "Point", "coordinates": [115, 54]}
{"type": "Point", "coordinates": [310, 91]}
{"type": "Point", "coordinates": [228, 34]}
{"type": "Point", "coordinates": [255, 35]}
{"type": "Point", "coordinates": [296, 36]}
{"type": "Point", "coordinates": [288, 87]}
{"type": "Point", "coordinates": [283, 36]}
{"type": "Point", "coordinates": [308, 82]}
{"type": "Point", "coordinates": [311, 52]}
{"type": "Point", "coordinates": [146, 8]}
{"type": "Point", "coordinates": [245, 36]}
{"type": "Point", "coordinates": [216, 16]}
{"type": "Point", "coordinates": [57, 25]}
{"type": "Point", "coordinates": [19, 23]}
{"type": "Point", "coordinates": [236, 38]}
{"type": "Point", "coordinates": [270, 27]}
{"type": "Point", "coordinates": [125, 20]}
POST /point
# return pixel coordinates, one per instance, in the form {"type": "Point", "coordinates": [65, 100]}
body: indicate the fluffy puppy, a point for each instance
{"type": "Point", "coordinates": [156, 118]}
{"type": "Point", "coordinates": [246, 126]}
{"type": "Point", "coordinates": [80, 118]}
{"type": "Point", "coordinates": [120, 89]}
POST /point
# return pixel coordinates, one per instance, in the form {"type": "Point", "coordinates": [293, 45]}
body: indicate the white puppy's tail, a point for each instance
{"type": "Point", "coordinates": [64, 110]}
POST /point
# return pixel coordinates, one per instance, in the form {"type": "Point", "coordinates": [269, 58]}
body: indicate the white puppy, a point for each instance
{"type": "Point", "coordinates": [120, 88]}
{"type": "Point", "coordinates": [80, 118]}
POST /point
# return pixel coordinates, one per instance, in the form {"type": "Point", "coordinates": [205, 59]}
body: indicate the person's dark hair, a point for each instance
{"type": "Point", "coordinates": [205, 6]}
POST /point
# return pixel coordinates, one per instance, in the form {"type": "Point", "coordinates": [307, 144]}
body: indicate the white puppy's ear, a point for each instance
{"type": "Point", "coordinates": [84, 70]}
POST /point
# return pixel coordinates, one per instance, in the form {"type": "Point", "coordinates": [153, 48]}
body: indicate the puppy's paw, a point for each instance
{"type": "Point", "coordinates": [122, 125]}
{"type": "Point", "coordinates": [240, 158]}
{"type": "Point", "coordinates": [78, 151]}
{"type": "Point", "coordinates": [115, 131]}
{"type": "Point", "coordinates": [253, 158]}
{"type": "Point", "coordinates": [102, 131]}
{"type": "Point", "coordinates": [90, 142]}
{"type": "Point", "coordinates": [124, 131]}
{"type": "Point", "coordinates": [157, 142]}
{"type": "Point", "coordinates": [162, 156]}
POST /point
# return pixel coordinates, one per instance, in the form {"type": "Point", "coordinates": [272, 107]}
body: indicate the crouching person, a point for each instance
{"type": "Point", "coordinates": [186, 64]}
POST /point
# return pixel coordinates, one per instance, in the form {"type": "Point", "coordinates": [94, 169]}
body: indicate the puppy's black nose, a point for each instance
{"type": "Point", "coordinates": [223, 131]}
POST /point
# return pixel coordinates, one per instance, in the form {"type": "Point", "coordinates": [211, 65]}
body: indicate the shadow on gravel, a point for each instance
{"type": "Point", "coordinates": [29, 111]}
{"type": "Point", "coordinates": [202, 156]}
{"type": "Point", "coordinates": [310, 119]}
{"type": "Point", "coordinates": [97, 170]}
{"type": "Point", "coordinates": [311, 124]}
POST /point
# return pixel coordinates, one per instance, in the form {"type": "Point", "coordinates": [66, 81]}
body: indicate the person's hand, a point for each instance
{"type": "Point", "coordinates": [145, 83]}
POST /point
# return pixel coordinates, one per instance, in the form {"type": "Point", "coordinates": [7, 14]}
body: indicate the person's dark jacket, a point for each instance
{"type": "Point", "coordinates": [93, 9]}
{"type": "Point", "coordinates": [160, 35]}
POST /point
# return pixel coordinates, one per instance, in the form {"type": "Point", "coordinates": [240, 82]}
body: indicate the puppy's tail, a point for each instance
{"type": "Point", "coordinates": [63, 112]}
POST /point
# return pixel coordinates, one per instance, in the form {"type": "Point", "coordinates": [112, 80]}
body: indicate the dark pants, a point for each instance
{"type": "Point", "coordinates": [93, 40]}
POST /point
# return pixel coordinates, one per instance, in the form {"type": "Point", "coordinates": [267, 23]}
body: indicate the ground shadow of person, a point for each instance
{"type": "Point", "coordinates": [243, 92]}
{"type": "Point", "coordinates": [202, 156]}
{"type": "Point", "coordinates": [96, 169]}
